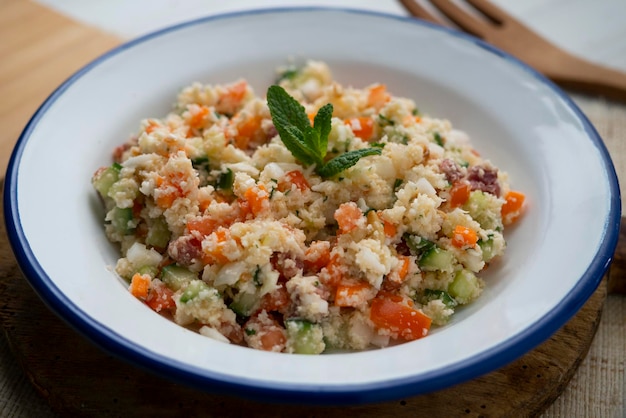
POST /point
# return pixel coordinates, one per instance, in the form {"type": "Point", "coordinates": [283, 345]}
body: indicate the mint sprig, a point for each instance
{"type": "Point", "coordinates": [309, 144]}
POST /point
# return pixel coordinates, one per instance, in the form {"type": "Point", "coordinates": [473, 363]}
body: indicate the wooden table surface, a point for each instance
{"type": "Point", "coordinates": [40, 48]}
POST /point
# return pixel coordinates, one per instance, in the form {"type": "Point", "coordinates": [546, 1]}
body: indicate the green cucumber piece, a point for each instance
{"type": "Point", "coordinates": [487, 249]}
{"type": "Point", "coordinates": [464, 286]}
{"type": "Point", "coordinates": [304, 337]}
{"type": "Point", "coordinates": [158, 233]}
{"type": "Point", "coordinates": [152, 271]}
{"type": "Point", "coordinates": [121, 219]}
{"type": "Point", "coordinates": [175, 277]}
{"type": "Point", "coordinates": [104, 179]}
{"type": "Point", "coordinates": [436, 259]}
{"type": "Point", "coordinates": [245, 304]}
{"type": "Point", "coordinates": [193, 290]}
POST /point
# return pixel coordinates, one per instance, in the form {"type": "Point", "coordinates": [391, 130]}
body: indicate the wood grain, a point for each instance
{"type": "Point", "coordinates": [44, 49]}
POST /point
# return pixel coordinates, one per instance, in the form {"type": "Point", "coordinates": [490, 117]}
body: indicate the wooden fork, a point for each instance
{"type": "Point", "coordinates": [509, 34]}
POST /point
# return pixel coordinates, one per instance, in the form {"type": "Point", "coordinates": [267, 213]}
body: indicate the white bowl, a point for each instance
{"type": "Point", "coordinates": [556, 256]}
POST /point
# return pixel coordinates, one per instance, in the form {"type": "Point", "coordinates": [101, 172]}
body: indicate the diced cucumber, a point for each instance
{"type": "Point", "coordinates": [175, 277]}
{"type": "Point", "coordinates": [121, 219]}
{"type": "Point", "coordinates": [487, 249]}
{"type": "Point", "coordinates": [483, 208]}
{"type": "Point", "coordinates": [192, 290]}
{"type": "Point", "coordinates": [464, 287]}
{"type": "Point", "coordinates": [436, 259]}
{"type": "Point", "coordinates": [158, 233]}
{"type": "Point", "coordinates": [449, 301]}
{"type": "Point", "coordinates": [152, 271]}
{"type": "Point", "coordinates": [244, 304]}
{"type": "Point", "coordinates": [304, 337]}
{"type": "Point", "coordinates": [104, 179]}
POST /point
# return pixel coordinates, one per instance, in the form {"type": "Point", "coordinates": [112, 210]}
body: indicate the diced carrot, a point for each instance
{"type": "Point", "coordinates": [311, 117]}
{"type": "Point", "coordinates": [258, 198]}
{"type": "Point", "coordinates": [334, 271]}
{"type": "Point", "coordinates": [399, 318]}
{"type": "Point", "coordinates": [205, 225]}
{"type": "Point", "coordinates": [218, 252]}
{"type": "Point", "coordinates": [152, 125]}
{"type": "Point", "coordinates": [237, 91]}
{"type": "Point", "coordinates": [160, 297]}
{"type": "Point", "coordinates": [352, 295]}
{"type": "Point", "coordinates": [512, 207]}
{"type": "Point", "coordinates": [362, 127]}
{"type": "Point", "coordinates": [139, 285]}
{"type": "Point", "coordinates": [405, 263]}
{"type": "Point", "coordinates": [459, 193]}
{"type": "Point", "coordinates": [196, 119]}
{"type": "Point", "coordinates": [166, 196]}
{"type": "Point", "coordinates": [390, 229]}
{"type": "Point", "coordinates": [410, 119]}
{"type": "Point", "coordinates": [317, 256]}
{"type": "Point", "coordinates": [246, 131]}
{"type": "Point", "coordinates": [464, 237]}
{"type": "Point", "coordinates": [378, 96]}
{"type": "Point", "coordinates": [348, 216]}
{"type": "Point", "coordinates": [230, 100]}
{"type": "Point", "coordinates": [296, 178]}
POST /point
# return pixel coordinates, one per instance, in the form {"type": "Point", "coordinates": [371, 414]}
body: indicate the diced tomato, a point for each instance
{"type": "Point", "coordinates": [276, 301]}
{"type": "Point", "coordinates": [459, 193]}
{"type": "Point", "coordinates": [401, 319]}
{"type": "Point", "coordinates": [160, 297]}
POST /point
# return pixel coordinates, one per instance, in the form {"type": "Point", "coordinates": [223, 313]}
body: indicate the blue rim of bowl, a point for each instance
{"type": "Point", "coordinates": [473, 367]}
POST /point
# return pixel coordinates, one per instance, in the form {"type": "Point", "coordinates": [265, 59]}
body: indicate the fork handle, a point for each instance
{"type": "Point", "coordinates": [572, 72]}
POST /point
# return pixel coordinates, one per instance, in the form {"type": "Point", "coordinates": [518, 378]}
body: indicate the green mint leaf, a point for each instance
{"type": "Point", "coordinates": [345, 161]}
{"type": "Point", "coordinates": [286, 110]}
{"type": "Point", "coordinates": [293, 126]}
{"type": "Point", "coordinates": [296, 143]}
{"type": "Point", "coordinates": [322, 124]}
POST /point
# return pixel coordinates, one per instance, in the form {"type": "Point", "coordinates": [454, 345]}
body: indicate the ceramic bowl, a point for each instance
{"type": "Point", "coordinates": [556, 256]}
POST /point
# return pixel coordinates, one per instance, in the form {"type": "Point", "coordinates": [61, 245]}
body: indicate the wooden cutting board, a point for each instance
{"type": "Point", "coordinates": [79, 379]}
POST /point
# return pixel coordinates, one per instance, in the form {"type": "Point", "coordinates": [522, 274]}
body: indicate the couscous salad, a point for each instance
{"type": "Point", "coordinates": [316, 217]}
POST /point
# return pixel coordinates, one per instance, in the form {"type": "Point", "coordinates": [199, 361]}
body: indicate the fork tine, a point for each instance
{"type": "Point", "coordinates": [461, 18]}
{"type": "Point", "coordinates": [416, 10]}
{"type": "Point", "coordinates": [490, 10]}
